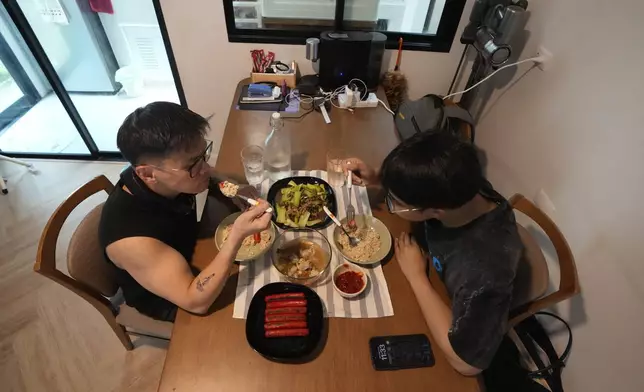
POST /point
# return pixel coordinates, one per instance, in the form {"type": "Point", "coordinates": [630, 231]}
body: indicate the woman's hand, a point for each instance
{"type": "Point", "coordinates": [363, 174]}
{"type": "Point", "coordinates": [254, 220]}
{"type": "Point", "coordinates": [411, 259]}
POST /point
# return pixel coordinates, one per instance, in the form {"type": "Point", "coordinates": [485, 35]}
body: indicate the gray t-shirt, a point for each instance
{"type": "Point", "coordinates": [477, 263]}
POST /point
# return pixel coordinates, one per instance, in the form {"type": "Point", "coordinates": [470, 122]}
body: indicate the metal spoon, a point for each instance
{"type": "Point", "coordinates": [353, 241]}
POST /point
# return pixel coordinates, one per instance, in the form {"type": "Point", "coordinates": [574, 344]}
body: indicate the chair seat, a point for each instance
{"type": "Point", "coordinates": [140, 323]}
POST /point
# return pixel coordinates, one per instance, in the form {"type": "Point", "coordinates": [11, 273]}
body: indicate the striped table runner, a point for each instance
{"type": "Point", "coordinates": [374, 302]}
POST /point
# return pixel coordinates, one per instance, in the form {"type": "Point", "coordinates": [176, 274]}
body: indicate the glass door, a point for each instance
{"type": "Point", "coordinates": [32, 118]}
{"type": "Point", "coordinates": [100, 64]}
{"type": "Point", "coordinates": [17, 93]}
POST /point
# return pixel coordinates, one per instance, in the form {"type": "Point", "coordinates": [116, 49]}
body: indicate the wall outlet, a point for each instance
{"type": "Point", "coordinates": [546, 58]}
{"type": "Point", "coordinates": [544, 203]}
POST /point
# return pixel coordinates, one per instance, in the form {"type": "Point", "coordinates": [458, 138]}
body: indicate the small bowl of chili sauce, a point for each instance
{"type": "Point", "coordinates": [350, 280]}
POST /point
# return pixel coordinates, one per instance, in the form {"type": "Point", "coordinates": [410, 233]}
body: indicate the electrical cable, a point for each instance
{"type": "Point", "coordinates": [490, 75]}
{"type": "Point", "coordinates": [298, 116]}
{"type": "Point", "coordinates": [386, 108]}
{"type": "Point", "coordinates": [328, 96]}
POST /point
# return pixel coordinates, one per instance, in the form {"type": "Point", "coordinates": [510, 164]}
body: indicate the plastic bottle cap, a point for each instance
{"type": "Point", "coordinates": [275, 116]}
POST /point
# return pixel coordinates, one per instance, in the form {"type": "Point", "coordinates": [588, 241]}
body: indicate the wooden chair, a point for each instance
{"type": "Point", "coordinates": [532, 275]}
{"type": "Point", "coordinates": [92, 277]}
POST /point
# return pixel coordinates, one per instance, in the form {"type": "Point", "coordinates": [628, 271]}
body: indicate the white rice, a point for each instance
{"type": "Point", "coordinates": [249, 248]}
{"type": "Point", "coordinates": [229, 189]}
{"type": "Point", "coordinates": [368, 246]}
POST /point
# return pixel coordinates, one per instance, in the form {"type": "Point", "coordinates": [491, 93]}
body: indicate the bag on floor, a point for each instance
{"type": "Point", "coordinates": [507, 374]}
{"type": "Point", "coordinates": [431, 114]}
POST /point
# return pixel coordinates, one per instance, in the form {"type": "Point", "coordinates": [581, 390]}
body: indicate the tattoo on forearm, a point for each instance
{"type": "Point", "coordinates": [201, 283]}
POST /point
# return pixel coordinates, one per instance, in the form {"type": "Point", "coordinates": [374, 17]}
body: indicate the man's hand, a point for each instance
{"type": "Point", "coordinates": [364, 175]}
{"type": "Point", "coordinates": [255, 220]}
{"type": "Point", "coordinates": [411, 259]}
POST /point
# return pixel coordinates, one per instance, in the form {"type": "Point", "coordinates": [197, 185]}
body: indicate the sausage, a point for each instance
{"type": "Point", "coordinates": [278, 333]}
{"type": "Point", "coordinates": [285, 325]}
{"type": "Point", "coordinates": [299, 309]}
{"type": "Point", "coordinates": [283, 296]}
{"type": "Point", "coordinates": [286, 304]}
{"type": "Point", "coordinates": [285, 317]}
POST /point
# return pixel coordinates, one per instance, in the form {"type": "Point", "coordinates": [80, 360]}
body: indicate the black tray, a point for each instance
{"type": "Point", "coordinates": [285, 349]}
{"type": "Point", "coordinates": [332, 204]}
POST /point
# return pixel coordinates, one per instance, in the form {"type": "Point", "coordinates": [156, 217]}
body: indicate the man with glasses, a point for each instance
{"type": "Point", "coordinates": [149, 223]}
{"type": "Point", "coordinates": [471, 236]}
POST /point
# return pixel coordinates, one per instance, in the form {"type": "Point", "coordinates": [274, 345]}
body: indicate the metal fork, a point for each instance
{"type": "Point", "coordinates": [351, 211]}
{"type": "Point", "coordinates": [353, 241]}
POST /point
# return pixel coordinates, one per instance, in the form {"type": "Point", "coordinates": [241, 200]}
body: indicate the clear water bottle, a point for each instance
{"type": "Point", "coordinates": [277, 151]}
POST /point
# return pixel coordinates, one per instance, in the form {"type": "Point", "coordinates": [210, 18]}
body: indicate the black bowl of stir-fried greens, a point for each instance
{"type": "Point", "coordinates": [298, 203]}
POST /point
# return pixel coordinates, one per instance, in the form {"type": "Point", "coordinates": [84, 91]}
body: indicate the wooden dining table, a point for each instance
{"type": "Point", "coordinates": [210, 353]}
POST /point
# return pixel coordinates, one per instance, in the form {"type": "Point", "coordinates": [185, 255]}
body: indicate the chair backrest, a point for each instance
{"type": "Point", "coordinates": [86, 260]}
{"type": "Point", "coordinates": [531, 270]}
{"type": "Point", "coordinates": [92, 279]}
{"type": "Point", "coordinates": [532, 273]}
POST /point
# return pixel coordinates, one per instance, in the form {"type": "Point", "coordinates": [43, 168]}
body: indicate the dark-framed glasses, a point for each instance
{"type": "Point", "coordinates": [195, 167]}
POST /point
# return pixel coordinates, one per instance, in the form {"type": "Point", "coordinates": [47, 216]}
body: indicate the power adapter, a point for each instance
{"type": "Point", "coordinates": [351, 99]}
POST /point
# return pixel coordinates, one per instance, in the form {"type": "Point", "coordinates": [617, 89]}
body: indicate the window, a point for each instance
{"type": "Point", "coordinates": [428, 25]}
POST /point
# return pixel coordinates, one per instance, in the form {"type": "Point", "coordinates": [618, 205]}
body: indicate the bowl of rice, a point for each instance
{"type": "Point", "coordinates": [375, 240]}
{"type": "Point", "coordinates": [249, 249]}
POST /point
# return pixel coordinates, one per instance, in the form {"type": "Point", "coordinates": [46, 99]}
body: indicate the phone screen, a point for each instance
{"type": "Point", "coordinates": [401, 352]}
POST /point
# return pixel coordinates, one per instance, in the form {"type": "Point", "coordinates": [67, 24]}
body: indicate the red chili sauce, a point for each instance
{"type": "Point", "coordinates": [349, 282]}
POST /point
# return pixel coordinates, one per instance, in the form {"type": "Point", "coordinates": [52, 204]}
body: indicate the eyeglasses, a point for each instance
{"type": "Point", "coordinates": [194, 169]}
{"type": "Point", "coordinates": [391, 206]}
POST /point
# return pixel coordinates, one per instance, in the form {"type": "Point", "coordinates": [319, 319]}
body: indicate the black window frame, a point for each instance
{"type": "Point", "coordinates": [440, 42]}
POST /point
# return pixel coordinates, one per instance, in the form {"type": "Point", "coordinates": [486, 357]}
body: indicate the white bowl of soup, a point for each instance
{"type": "Point", "coordinates": [302, 256]}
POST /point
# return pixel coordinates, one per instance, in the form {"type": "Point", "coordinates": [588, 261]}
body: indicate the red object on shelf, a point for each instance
{"type": "Point", "coordinates": [104, 6]}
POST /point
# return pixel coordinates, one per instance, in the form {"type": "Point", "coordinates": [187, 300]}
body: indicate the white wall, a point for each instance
{"type": "Point", "coordinates": [576, 131]}
{"type": "Point", "coordinates": [210, 66]}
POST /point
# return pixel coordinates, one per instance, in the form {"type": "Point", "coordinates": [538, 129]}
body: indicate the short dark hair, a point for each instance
{"type": "Point", "coordinates": [433, 170]}
{"type": "Point", "coordinates": [158, 130]}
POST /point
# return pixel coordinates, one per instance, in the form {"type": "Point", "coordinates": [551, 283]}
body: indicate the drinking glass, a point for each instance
{"type": "Point", "coordinates": [253, 161]}
{"type": "Point", "coordinates": [335, 160]}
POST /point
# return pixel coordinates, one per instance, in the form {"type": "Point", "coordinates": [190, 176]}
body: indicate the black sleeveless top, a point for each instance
{"type": "Point", "coordinates": [147, 214]}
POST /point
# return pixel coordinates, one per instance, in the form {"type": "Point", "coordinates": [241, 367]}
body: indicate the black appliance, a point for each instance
{"type": "Point", "coordinates": [346, 55]}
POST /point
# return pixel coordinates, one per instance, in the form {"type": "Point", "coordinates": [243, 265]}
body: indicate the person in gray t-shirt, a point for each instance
{"type": "Point", "coordinates": [471, 236]}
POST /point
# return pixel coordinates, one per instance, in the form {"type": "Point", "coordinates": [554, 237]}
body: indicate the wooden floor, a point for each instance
{"type": "Point", "coordinates": [50, 339]}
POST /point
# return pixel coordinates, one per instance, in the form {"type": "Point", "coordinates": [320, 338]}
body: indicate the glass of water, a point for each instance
{"type": "Point", "coordinates": [253, 161]}
{"type": "Point", "coordinates": [335, 160]}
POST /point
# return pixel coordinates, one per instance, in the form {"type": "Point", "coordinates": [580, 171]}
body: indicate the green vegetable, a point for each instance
{"type": "Point", "coordinates": [299, 205]}
{"type": "Point", "coordinates": [289, 222]}
{"type": "Point", "coordinates": [281, 214]}
{"type": "Point", "coordinates": [296, 199]}
{"type": "Point", "coordinates": [304, 218]}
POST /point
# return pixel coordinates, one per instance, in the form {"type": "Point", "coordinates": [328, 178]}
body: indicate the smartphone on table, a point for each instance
{"type": "Point", "coordinates": [401, 352]}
